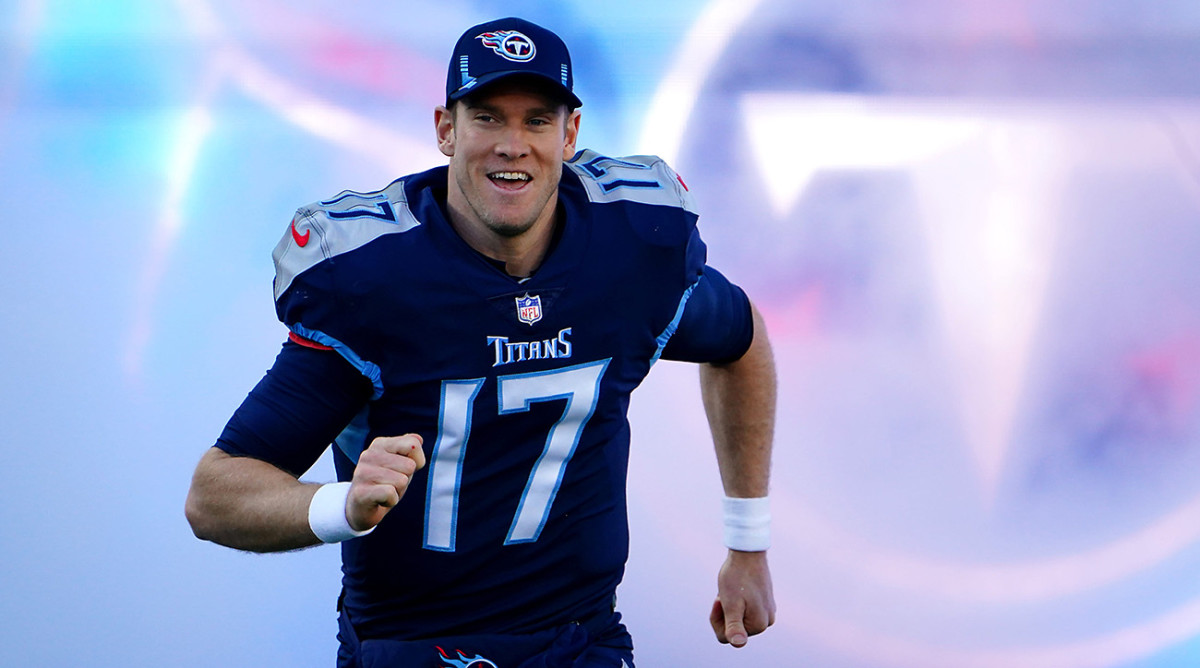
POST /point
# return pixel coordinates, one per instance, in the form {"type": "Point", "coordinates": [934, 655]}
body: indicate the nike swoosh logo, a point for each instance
{"type": "Point", "coordinates": [301, 239]}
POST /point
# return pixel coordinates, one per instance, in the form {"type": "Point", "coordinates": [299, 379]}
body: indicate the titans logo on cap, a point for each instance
{"type": "Point", "coordinates": [509, 44]}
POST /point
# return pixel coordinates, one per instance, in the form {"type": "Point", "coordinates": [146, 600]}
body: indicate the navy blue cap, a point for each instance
{"type": "Point", "coordinates": [506, 47]}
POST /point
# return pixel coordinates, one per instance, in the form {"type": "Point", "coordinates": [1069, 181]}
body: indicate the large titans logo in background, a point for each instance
{"type": "Point", "coordinates": [973, 229]}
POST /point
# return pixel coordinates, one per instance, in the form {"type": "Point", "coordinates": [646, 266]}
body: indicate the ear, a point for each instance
{"type": "Point", "coordinates": [572, 135]}
{"type": "Point", "coordinates": [443, 121]}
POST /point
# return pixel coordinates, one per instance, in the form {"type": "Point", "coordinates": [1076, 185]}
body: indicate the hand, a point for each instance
{"type": "Point", "coordinates": [745, 604]}
{"type": "Point", "coordinates": [381, 478]}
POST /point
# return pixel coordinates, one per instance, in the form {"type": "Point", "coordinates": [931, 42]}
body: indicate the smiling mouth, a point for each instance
{"type": "Point", "coordinates": [510, 180]}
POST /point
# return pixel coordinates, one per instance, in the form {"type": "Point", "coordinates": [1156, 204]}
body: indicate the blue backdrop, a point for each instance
{"type": "Point", "coordinates": [972, 226]}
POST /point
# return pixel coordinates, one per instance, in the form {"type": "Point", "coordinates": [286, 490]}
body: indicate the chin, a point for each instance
{"type": "Point", "coordinates": [510, 229]}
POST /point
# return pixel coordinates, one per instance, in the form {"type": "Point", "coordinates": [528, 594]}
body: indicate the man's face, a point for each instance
{"type": "Point", "coordinates": [506, 146]}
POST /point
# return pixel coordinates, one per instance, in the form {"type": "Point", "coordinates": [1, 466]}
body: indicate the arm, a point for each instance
{"type": "Point", "coordinates": [246, 493]}
{"type": "Point", "coordinates": [739, 399]}
{"type": "Point", "coordinates": [248, 504]}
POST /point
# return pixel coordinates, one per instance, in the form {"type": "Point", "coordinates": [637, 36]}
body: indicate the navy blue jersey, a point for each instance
{"type": "Point", "coordinates": [519, 388]}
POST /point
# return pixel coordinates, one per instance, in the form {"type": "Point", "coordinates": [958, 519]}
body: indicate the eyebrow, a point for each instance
{"type": "Point", "coordinates": [536, 111]}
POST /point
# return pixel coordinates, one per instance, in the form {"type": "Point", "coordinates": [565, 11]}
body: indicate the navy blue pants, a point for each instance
{"type": "Point", "coordinates": [603, 643]}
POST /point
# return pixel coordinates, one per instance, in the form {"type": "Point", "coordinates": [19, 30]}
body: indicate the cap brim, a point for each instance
{"type": "Point", "coordinates": [568, 97]}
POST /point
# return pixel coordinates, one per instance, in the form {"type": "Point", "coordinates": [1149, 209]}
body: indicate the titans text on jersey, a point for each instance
{"type": "Point", "coordinates": [508, 351]}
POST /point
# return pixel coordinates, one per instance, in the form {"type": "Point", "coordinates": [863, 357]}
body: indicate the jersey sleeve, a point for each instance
{"type": "Point", "coordinates": [298, 408]}
{"type": "Point", "coordinates": [712, 321]}
{"type": "Point", "coordinates": [716, 325]}
{"type": "Point", "coordinates": [310, 287]}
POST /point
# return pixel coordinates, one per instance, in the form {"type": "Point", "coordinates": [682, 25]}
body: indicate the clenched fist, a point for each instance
{"type": "Point", "coordinates": [745, 604]}
{"type": "Point", "coordinates": [381, 478]}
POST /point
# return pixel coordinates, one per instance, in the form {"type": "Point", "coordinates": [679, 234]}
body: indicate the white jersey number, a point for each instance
{"type": "Point", "coordinates": [578, 385]}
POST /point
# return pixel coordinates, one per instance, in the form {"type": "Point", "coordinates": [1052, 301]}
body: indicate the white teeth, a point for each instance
{"type": "Point", "coordinates": [510, 176]}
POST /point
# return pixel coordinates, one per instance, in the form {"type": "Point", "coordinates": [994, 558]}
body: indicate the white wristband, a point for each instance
{"type": "Point", "coordinates": [747, 524]}
{"type": "Point", "coordinates": [327, 514]}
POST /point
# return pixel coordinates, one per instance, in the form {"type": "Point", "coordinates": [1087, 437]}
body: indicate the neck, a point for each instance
{"type": "Point", "coordinates": [521, 254]}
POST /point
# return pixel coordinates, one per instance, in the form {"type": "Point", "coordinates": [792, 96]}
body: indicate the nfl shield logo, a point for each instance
{"type": "Point", "coordinates": [529, 309]}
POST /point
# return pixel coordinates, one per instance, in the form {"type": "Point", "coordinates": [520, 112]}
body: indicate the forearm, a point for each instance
{"type": "Point", "coordinates": [739, 400]}
{"type": "Point", "coordinates": [248, 504]}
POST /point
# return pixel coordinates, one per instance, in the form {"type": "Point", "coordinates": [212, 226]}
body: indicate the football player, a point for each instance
{"type": "Point", "coordinates": [469, 338]}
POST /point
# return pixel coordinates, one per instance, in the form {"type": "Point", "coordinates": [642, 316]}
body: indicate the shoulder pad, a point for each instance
{"type": "Point", "coordinates": [331, 227]}
{"type": "Point", "coordinates": [646, 179]}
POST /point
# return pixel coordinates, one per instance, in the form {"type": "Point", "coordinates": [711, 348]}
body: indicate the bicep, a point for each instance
{"type": "Point", "coordinates": [297, 409]}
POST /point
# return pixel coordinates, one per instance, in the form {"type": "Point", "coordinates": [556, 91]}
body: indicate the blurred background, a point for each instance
{"type": "Point", "coordinates": [972, 225]}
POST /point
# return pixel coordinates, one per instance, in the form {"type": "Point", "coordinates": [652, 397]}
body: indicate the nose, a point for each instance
{"type": "Point", "coordinates": [512, 143]}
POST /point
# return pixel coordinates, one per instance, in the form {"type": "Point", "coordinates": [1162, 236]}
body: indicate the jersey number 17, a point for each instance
{"type": "Point", "coordinates": [579, 385]}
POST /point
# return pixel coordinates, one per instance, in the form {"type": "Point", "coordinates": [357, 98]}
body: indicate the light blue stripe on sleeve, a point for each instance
{"type": "Point", "coordinates": [674, 324]}
{"type": "Point", "coordinates": [368, 369]}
